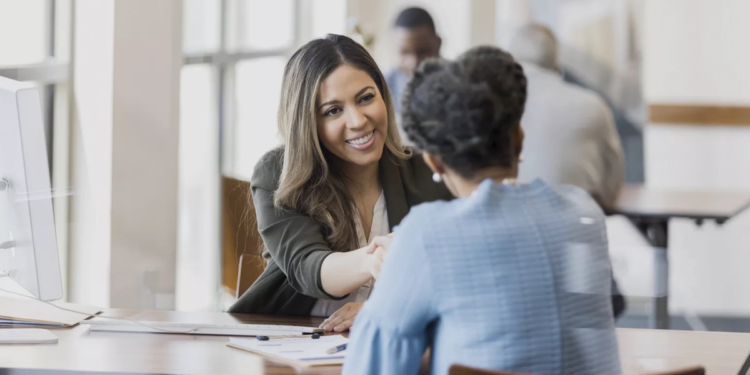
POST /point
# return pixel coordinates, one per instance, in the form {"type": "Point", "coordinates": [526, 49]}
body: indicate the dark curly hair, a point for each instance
{"type": "Point", "coordinates": [465, 112]}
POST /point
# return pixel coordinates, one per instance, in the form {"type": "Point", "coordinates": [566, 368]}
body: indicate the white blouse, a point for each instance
{"type": "Point", "coordinates": [380, 227]}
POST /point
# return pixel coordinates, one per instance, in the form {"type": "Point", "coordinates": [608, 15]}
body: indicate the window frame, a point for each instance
{"type": "Point", "coordinates": [54, 77]}
{"type": "Point", "coordinates": [48, 74]}
{"type": "Point", "coordinates": [223, 63]}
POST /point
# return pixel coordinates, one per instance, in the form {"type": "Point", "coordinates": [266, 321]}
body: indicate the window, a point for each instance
{"type": "Point", "coordinates": [258, 85]}
{"type": "Point", "coordinates": [235, 51]}
{"type": "Point", "coordinates": [259, 25]}
{"type": "Point", "coordinates": [201, 26]}
{"type": "Point", "coordinates": [35, 47]}
{"type": "Point", "coordinates": [27, 18]}
{"type": "Point", "coordinates": [235, 54]}
{"type": "Point", "coordinates": [245, 43]}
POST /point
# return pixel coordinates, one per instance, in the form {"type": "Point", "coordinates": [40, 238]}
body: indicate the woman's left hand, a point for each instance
{"type": "Point", "coordinates": [343, 318]}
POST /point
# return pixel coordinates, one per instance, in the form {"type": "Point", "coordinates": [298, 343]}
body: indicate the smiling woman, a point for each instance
{"type": "Point", "coordinates": [353, 120]}
{"type": "Point", "coordinates": [341, 177]}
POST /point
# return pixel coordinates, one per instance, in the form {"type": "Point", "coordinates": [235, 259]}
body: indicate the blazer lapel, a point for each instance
{"type": "Point", "coordinates": [393, 189]}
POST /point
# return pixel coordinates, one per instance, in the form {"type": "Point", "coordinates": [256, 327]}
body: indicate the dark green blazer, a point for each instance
{"type": "Point", "coordinates": [295, 246]}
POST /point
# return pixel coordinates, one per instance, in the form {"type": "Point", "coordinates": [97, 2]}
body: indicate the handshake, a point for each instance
{"type": "Point", "coordinates": [378, 249]}
{"type": "Point", "coordinates": [375, 253]}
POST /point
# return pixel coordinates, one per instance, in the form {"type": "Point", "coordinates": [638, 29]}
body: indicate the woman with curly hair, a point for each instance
{"type": "Point", "coordinates": [509, 276]}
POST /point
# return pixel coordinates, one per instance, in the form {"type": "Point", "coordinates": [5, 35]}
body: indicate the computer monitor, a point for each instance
{"type": "Point", "coordinates": [28, 242]}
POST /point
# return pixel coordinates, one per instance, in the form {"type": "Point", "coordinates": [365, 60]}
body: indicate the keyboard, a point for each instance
{"type": "Point", "coordinates": [111, 325]}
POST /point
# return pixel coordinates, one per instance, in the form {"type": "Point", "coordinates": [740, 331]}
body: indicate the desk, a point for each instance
{"type": "Point", "coordinates": [81, 350]}
{"type": "Point", "coordinates": [641, 351]}
{"type": "Point", "coordinates": [651, 209]}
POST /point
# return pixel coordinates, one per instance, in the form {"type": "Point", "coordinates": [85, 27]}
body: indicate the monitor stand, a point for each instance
{"type": "Point", "coordinates": [26, 336]}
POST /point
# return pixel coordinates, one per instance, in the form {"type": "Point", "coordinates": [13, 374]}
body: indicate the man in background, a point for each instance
{"type": "Point", "coordinates": [571, 137]}
{"type": "Point", "coordinates": [417, 41]}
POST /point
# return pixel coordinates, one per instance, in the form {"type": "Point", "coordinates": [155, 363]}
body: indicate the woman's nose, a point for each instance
{"type": "Point", "coordinates": [357, 119]}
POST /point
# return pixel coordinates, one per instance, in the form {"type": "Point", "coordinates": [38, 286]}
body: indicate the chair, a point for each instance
{"type": "Point", "coordinates": [250, 268]}
{"type": "Point", "coordinates": [697, 370]}
{"type": "Point", "coordinates": [463, 370]}
{"type": "Point", "coordinates": [242, 263]}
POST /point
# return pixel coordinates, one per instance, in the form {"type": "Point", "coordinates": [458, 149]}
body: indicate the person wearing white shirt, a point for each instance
{"type": "Point", "coordinates": [571, 136]}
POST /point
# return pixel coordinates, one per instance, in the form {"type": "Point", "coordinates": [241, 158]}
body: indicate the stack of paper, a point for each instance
{"type": "Point", "coordinates": [297, 351]}
{"type": "Point", "coordinates": [27, 312]}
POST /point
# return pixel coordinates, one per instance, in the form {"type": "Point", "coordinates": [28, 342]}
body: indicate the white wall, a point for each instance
{"type": "Point", "coordinates": [696, 52]}
{"type": "Point", "coordinates": [90, 228]}
{"type": "Point", "coordinates": [148, 58]}
{"type": "Point", "coordinates": [127, 60]}
{"type": "Point", "coordinates": [511, 14]}
{"type": "Point", "coordinates": [199, 243]}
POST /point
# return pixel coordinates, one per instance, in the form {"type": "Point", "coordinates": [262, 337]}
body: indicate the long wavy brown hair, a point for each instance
{"type": "Point", "coordinates": [307, 183]}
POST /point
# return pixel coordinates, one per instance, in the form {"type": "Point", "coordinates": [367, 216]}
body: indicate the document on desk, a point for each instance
{"type": "Point", "coordinates": [32, 312]}
{"type": "Point", "coordinates": [306, 352]}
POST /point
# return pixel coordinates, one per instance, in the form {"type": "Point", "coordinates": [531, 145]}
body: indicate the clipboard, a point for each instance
{"type": "Point", "coordinates": [303, 352]}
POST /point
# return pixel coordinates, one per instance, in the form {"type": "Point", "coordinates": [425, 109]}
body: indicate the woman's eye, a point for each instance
{"type": "Point", "coordinates": [367, 98]}
{"type": "Point", "coordinates": [332, 112]}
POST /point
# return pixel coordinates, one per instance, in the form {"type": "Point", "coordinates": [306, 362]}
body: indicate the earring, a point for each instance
{"type": "Point", "coordinates": [437, 178]}
{"type": "Point", "coordinates": [520, 158]}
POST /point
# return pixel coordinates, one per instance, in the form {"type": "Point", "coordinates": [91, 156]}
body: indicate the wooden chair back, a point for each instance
{"type": "Point", "coordinates": [697, 370]}
{"type": "Point", "coordinates": [242, 263]}
{"type": "Point", "coordinates": [251, 266]}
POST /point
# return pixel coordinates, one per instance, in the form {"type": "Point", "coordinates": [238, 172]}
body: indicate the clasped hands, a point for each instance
{"type": "Point", "coordinates": [343, 318]}
{"type": "Point", "coordinates": [378, 248]}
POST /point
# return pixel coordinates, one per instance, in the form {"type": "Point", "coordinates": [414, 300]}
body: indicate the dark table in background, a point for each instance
{"type": "Point", "coordinates": [651, 209]}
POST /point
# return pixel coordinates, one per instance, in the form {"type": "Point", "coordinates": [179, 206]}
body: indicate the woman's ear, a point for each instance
{"type": "Point", "coordinates": [434, 163]}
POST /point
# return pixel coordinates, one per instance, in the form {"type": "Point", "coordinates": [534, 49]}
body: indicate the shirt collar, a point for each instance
{"type": "Point", "coordinates": [535, 70]}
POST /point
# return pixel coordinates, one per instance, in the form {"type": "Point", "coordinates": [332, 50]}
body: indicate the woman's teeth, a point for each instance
{"type": "Point", "coordinates": [363, 140]}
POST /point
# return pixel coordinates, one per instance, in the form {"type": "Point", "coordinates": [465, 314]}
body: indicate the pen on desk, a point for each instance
{"type": "Point", "coordinates": [266, 338]}
{"type": "Point", "coordinates": [336, 349]}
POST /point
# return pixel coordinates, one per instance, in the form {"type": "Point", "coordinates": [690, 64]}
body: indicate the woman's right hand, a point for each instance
{"type": "Point", "coordinates": [379, 248]}
{"type": "Point", "coordinates": [344, 272]}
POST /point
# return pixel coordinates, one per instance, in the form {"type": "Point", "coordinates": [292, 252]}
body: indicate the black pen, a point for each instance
{"type": "Point", "coordinates": [266, 338]}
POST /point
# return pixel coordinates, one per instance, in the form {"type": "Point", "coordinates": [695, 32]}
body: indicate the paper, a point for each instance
{"type": "Point", "coordinates": [33, 311]}
{"type": "Point", "coordinates": [300, 351]}
{"type": "Point", "coordinates": [23, 323]}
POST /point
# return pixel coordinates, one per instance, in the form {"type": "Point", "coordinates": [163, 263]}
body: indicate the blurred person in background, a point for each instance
{"type": "Point", "coordinates": [416, 40]}
{"type": "Point", "coordinates": [571, 134]}
{"type": "Point", "coordinates": [510, 276]}
{"type": "Point", "coordinates": [571, 137]}
{"type": "Point", "coordinates": [341, 177]}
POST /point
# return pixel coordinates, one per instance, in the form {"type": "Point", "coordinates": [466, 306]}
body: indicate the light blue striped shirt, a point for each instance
{"type": "Point", "coordinates": [513, 278]}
